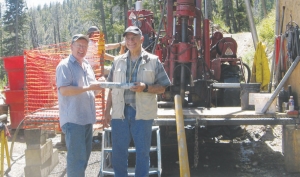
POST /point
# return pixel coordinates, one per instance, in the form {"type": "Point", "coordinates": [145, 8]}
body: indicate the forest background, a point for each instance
{"type": "Point", "coordinates": [24, 28]}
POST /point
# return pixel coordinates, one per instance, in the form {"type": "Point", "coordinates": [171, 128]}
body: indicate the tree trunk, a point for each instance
{"type": "Point", "coordinates": [125, 13]}
{"type": "Point", "coordinates": [33, 32]}
{"type": "Point", "coordinates": [238, 21]}
{"type": "Point", "coordinates": [233, 20]}
{"type": "Point", "coordinates": [130, 5]}
{"type": "Point", "coordinates": [263, 5]}
{"type": "Point", "coordinates": [57, 23]}
{"type": "Point", "coordinates": [226, 13]}
{"type": "Point", "coordinates": [111, 25]}
{"type": "Point", "coordinates": [102, 14]}
{"type": "Point", "coordinates": [17, 29]}
{"type": "Point", "coordinates": [54, 33]}
{"type": "Point", "coordinates": [119, 37]}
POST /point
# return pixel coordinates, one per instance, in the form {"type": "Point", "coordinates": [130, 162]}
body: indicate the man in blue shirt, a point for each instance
{"type": "Point", "coordinates": [77, 87]}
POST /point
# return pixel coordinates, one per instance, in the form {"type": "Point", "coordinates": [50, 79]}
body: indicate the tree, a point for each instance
{"type": "Point", "coordinates": [232, 16]}
{"type": "Point", "coordinates": [226, 13]}
{"type": "Point", "coordinates": [33, 32]}
{"type": "Point", "coordinates": [2, 72]}
{"type": "Point", "coordinates": [15, 22]}
{"type": "Point", "coordinates": [263, 5]}
{"type": "Point", "coordinates": [240, 14]}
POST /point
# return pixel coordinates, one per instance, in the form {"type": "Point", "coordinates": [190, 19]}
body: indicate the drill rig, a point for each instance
{"type": "Point", "coordinates": [195, 61]}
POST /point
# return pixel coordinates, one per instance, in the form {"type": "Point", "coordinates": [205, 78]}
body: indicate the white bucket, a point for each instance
{"type": "Point", "coordinates": [260, 101]}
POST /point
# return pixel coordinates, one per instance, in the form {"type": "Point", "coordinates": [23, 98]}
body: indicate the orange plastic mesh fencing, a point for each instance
{"type": "Point", "coordinates": [40, 92]}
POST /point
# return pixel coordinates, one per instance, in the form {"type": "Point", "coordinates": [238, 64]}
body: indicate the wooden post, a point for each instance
{"type": "Point", "coordinates": [291, 146]}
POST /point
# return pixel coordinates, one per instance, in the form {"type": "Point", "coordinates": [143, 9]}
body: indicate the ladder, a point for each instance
{"type": "Point", "coordinates": [106, 152]}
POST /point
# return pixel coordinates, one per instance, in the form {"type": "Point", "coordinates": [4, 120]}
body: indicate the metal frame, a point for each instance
{"type": "Point", "coordinates": [229, 121]}
{"type": "Point", "coordinates": [106, 152]}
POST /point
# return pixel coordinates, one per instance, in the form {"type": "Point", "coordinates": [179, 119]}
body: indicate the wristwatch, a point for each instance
{"type": "Point", "coordinates": [146, 88]}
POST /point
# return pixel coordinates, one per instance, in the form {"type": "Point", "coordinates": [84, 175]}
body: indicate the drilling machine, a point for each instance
{"type": "Point", "coordinates": [196, 62]}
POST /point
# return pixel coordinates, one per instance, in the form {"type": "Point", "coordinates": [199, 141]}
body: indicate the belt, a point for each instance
{"type": "Point", "coordinates": [127, 104]}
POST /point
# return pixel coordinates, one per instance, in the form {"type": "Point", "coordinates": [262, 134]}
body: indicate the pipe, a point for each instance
{"type": "Point", "coordinates": [174, 26]}
{"type": "Point", "coordinates": [206, 43]}
{"type": "Point", "coordinates": [160, 26]}
{"type": "Point", "coordinates": [198, 18]}
{"type": "Point", "coordinates": [281, 58]}
{"type": "Point", "coordinates": [195, 29]}
{"type": "Point", "coordinates": [169, 17]}
{"type": "Point", "coordinates": [184, 26]}
{"type": "Point", "coordinates": [182, 147]}
{"type": "Point", "coordinates": [284, 79]}
{"type": "Point", "coordinates": [206, 11]}
{"type": "Point", "coordinates": [226, 85]}
{"type": "Point", "coordinates": [182, 82]}
{"type": "Point", "coordinates": [251, 23]}
{"type": "Point", "coordinates": [206, 39]}
{"type": "Point", "coordinates": [282, 20]}
{"type": "Point", "coordinates": [273, 70]}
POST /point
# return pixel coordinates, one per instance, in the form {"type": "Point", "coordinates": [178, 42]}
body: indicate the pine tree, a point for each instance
{"type": "Point", "coordinates": [15, 22]}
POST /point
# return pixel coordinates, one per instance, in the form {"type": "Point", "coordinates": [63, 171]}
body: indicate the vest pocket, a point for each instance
{"type": "Point", "coordinates": [148, 76]}
{"type": "Point", "coordinates": [146, 106]}
{"type": "Point", "coordinates": [119, 76]}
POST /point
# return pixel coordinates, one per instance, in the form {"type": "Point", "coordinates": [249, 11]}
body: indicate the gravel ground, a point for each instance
{"type": "Point", "coordinates": [18, 162]}
{"type": "Point", "coordinates": [258, 153]}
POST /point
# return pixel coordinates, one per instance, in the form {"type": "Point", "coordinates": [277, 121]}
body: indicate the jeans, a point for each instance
{"type": "Point", "coordinates": [79, 145]}
{"type": "Point", "coordinates": [122, 131]}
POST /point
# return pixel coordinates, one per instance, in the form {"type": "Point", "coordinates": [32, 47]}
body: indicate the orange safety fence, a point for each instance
{"type": "Point", "coordinates": [40, 91]}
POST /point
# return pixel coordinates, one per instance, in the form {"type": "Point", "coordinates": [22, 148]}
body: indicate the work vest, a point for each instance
{"type": "Point", "coordinates": [146, 103]}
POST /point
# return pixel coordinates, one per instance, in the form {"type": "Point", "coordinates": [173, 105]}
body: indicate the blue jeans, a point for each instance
{"type": "Point", "coordinates": [79, 146]}
{"type": "Point", "coordinates": [122, 131]}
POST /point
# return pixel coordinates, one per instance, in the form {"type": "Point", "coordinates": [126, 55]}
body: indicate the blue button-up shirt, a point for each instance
{"type": "Point", "coordinates": [78, 109]}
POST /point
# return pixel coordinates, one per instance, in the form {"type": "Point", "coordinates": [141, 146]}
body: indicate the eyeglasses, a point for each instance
{"type": "Point", "coordinates": [132, 38]}
{"type": "Point", "coordinates": [80, 46]}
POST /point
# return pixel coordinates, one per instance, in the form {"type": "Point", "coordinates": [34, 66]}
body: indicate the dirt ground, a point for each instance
{"type": "Point", "coordinates": [257, 153]}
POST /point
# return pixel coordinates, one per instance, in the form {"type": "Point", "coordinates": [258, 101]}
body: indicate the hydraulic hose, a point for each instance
{"type": "Point", "coordinates": [13, 141]}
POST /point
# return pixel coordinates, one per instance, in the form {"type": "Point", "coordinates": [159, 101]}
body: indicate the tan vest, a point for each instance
{"type": "Point", "coordinates": [146, 103]}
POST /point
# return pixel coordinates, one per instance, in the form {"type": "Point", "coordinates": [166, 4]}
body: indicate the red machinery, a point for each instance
{"type": "Point", "coordinates": [192, 58]}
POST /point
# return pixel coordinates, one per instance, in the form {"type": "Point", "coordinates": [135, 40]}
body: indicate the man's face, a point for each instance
{"type": "Point", "coordinates": [94, 34]}
{"type": "Point", "coordinates": [133, 41]}
{"type": "Point", "coordinates": [79, 48]}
